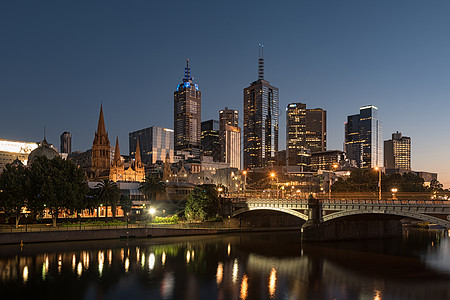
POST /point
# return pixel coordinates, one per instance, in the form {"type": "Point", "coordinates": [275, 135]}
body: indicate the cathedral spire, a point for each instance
{"type": "Point", "coordinates": [116, 152]}
{"type": "Point", "coordinates": [137, 157]}
{"type": "Point", "coordinates": [101, 123]}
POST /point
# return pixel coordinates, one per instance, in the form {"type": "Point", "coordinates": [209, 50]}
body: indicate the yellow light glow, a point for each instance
{"type": "Point", "coordinates": [188, 256]}
{"type": "Point", "coordinates": [25, 274]}
{"type": "Point", "coordinates": [377, 295]}
{"type": "Point", "coordinates": [235, 270]}
{"type": "Point", "coordinates": [127, 264]}
{"type": "Point", "coordinates": [272, 175]}
{"type": "Point", "coordinates": [229, 249]}
{"type": "Point", "coordinates": [272, 283]}
{"type": "Point", "coordinates": [219, 273]}
{"type": "Point", "coordinates": [79, 269]}
{"type": "Point", "coordinates": [163, 258]}
{"type": "Point", "coordinates": [143, 261]}
{"type": "Point", "coordinates": [74, 262]}
{"type": "Point", "coordinates": [244, 287]}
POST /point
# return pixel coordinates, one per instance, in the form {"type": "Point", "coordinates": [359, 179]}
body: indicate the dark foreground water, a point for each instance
{"type": "Point", "coordinates": [240, 266]}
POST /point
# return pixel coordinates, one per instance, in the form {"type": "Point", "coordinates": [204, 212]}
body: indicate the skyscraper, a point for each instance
{"type": "Point", "coordinates": [210, 139]}
{"type": "Point", "coordinates": [155, 143]}
{"type": "Point", "coordinates": [363, 138]}
{"type": "Point", "coordinates": [397, 152]}
{"type": "Point", "coordinates": [306, 132]}
{"type": "Point", "coordinates": [260, 120]}
{"type": "Point", "coordinates": [66, 142]}
{"type": "Point", "coordinates": [232, 146]}
{"type": "Point", "coordinates": [229, 131]}
{"type": "Point", "coordinates": [187, 115]}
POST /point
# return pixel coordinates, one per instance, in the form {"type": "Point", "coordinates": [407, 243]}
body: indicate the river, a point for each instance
{"type": "Point", "coordinates": [273, 265]}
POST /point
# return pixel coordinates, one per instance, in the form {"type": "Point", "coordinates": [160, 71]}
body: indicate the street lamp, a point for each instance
{"type": "Point", "coordinates": [273, 175]}
{"type": "Point", "coordinates": [330, 181]}
{"type": "Point", "coordinates": [394, 190]}
{"type": "Point", "coordinates": [245, 179]}
{"type": "Point", "coordinates": [152, 212]}
{"type": "Point", "coordinates": [379, 181]}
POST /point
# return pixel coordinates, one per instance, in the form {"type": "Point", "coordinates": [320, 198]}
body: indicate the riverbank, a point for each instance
{"type": "Point", "coordinates": [64, 234]}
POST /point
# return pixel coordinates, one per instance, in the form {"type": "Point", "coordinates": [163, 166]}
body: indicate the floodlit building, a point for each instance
{"type": "Point", "coordinates": [261, 114]}
{"type": "Point", "coordinates": [363, 138]}
{"type": "Point", "coordinates": [12, 150]}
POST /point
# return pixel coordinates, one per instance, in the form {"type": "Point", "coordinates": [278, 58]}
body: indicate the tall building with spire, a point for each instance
{"type": "Point", "coordinates": [101, 150]}
{"type": "Point", "coordinates": [261, 112]}
{"type": "Point", "coordinates": [187, 115]}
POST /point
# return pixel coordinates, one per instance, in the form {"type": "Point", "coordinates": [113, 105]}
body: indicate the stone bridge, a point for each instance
{"type": "Point", "coordinates": [320, 212]}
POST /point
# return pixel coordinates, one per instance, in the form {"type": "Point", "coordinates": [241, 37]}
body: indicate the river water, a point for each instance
{"type": "Point", "coordinates": [272, 265]}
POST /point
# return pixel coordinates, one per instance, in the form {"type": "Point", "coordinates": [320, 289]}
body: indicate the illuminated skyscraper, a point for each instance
{"type": "Point", "coordinates": [397, 152]}
{"type": "Point", "coordinates": [155, 144]}
{"type": "Point", "coordinates": [210, 139]}
{"type": "Point", "coordinates": [230, 137]}
{"type": "Point", "coordinates": [363, 138]}
{"type": "Point", "coordinates": [187, 115]}
{"type": "Point", "coordinates": [306, 131]}
{"type": "Point", "coordinates": [260, 121]}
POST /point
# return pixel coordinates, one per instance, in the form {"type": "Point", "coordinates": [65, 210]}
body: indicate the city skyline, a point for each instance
{"type": "Point", "coordinates": [69, 58]}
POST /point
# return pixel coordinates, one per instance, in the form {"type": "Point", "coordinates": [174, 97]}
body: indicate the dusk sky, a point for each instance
{"type": "Point", "coordinates": [60, 59]}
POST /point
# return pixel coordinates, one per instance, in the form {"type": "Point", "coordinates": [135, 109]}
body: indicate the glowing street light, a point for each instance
{"type": "Point", "coordinates": [245, 179]}
{"type": "Point", "coordinates": [379, 181]}
{"type": "Point", "coordinates": [273, 175]}
{"type": "Point", "coordinates": [394, 190]}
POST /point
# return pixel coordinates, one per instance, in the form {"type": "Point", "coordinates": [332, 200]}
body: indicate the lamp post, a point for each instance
{"type": "Point", "coordinates": [245, 179]}
{"type": "Point", "coordinates": [273, 175]}
{"type": "Point", "coordinates": [379, 181]}
{"type": "Point", "coordinates": [330, 181]}
{"type": "Point", "coordinates": [394, 190]}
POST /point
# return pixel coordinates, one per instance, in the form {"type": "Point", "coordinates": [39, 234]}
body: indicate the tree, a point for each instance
{"type": "Point", "coordinates": [203, 203]}
{"type": "Point", "coordinates": [151, 187]}
{"type": "Point", "coordinates": [57, 185]}
{"type": "Point", "coordinates": [109, 193]}
{"type": "Point", "coordinates": [125, 203]}
{"type": "Point", "coordinates": [13, 194]}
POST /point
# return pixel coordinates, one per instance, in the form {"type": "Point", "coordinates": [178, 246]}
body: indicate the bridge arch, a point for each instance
{"type": "Point", "coordinates": [417, 216]}
{"type": "Point", "coordinates": [284, 210]}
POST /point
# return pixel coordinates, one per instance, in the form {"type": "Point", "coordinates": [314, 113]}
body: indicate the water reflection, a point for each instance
{"type": "Point", "coordinates": [261, 266]}
{"type": "Point", "coordinates": [244, 287]}
{"type": "Point", "coordinates": [272, 283]}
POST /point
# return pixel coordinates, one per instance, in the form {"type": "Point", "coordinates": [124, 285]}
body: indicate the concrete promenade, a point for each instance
{"type": "Point", "coordinates": [62, 234]}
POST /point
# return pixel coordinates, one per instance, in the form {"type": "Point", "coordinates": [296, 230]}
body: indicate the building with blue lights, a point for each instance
{"type": "Point", "coordinates": [187, 115]}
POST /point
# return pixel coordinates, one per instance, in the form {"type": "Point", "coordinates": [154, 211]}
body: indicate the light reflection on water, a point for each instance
{"type": "Point", "coordinates": [261, 266]}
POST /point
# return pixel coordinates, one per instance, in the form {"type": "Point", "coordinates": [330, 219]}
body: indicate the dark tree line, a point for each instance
{"type": "Point", "coordinates": [55, 186]}
{"type": "Point", "coordinates": [365, 180]}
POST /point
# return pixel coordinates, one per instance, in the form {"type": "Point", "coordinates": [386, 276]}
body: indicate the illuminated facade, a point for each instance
{"type": "Point", "coordinates": [260, 121]}
{"type": "Point", "coordinates": [11, 150]}
{"type": "Point", "coordinates": [229, 117]}
{"type": "Point", "coordinates": [397, 152]}
{"type": "Point", "coordinates": [121, 171]}
{"type": "Point", "coordinates": [232, 146]}
{"type": "Point", "coordinates": [210, 139]}
{"type": "Point", "coordinates": [363, 138]}
{"type": "Point", "coordinates": [101, 150]}
{"type": "Point", "coordinates": [306, 133]}
{"type": "Point", "coordinates": [155, 142]}
{"type": "Point", "coordinates": [326, 160]}
{"type": "Point", "coordinates": [187, 115]}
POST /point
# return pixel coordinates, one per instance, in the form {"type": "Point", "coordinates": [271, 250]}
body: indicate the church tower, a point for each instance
{"type": "Point", "coordinates": [138, 166]}
{"type": "Point", "coordinates": [117, 168]}
{"type": "Point", "coordinates": [101, 150]}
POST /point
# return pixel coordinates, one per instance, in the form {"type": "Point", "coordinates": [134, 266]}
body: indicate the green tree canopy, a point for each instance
{"type": "Point", "coordinates": [57, 185]}
{"type": "Point", "coordinates": [13, 191]}
{"type": "Point", "coordinates": [203, 203]}
{"type": "Point", "coordinates": [151, 187]}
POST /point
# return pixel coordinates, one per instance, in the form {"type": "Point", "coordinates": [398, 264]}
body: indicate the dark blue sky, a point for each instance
{"type": "Point", "coordinates": [60, 59]}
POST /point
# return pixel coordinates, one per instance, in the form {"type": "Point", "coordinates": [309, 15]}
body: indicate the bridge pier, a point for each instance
{"type": "Point", "coordinates": [351, 230]}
